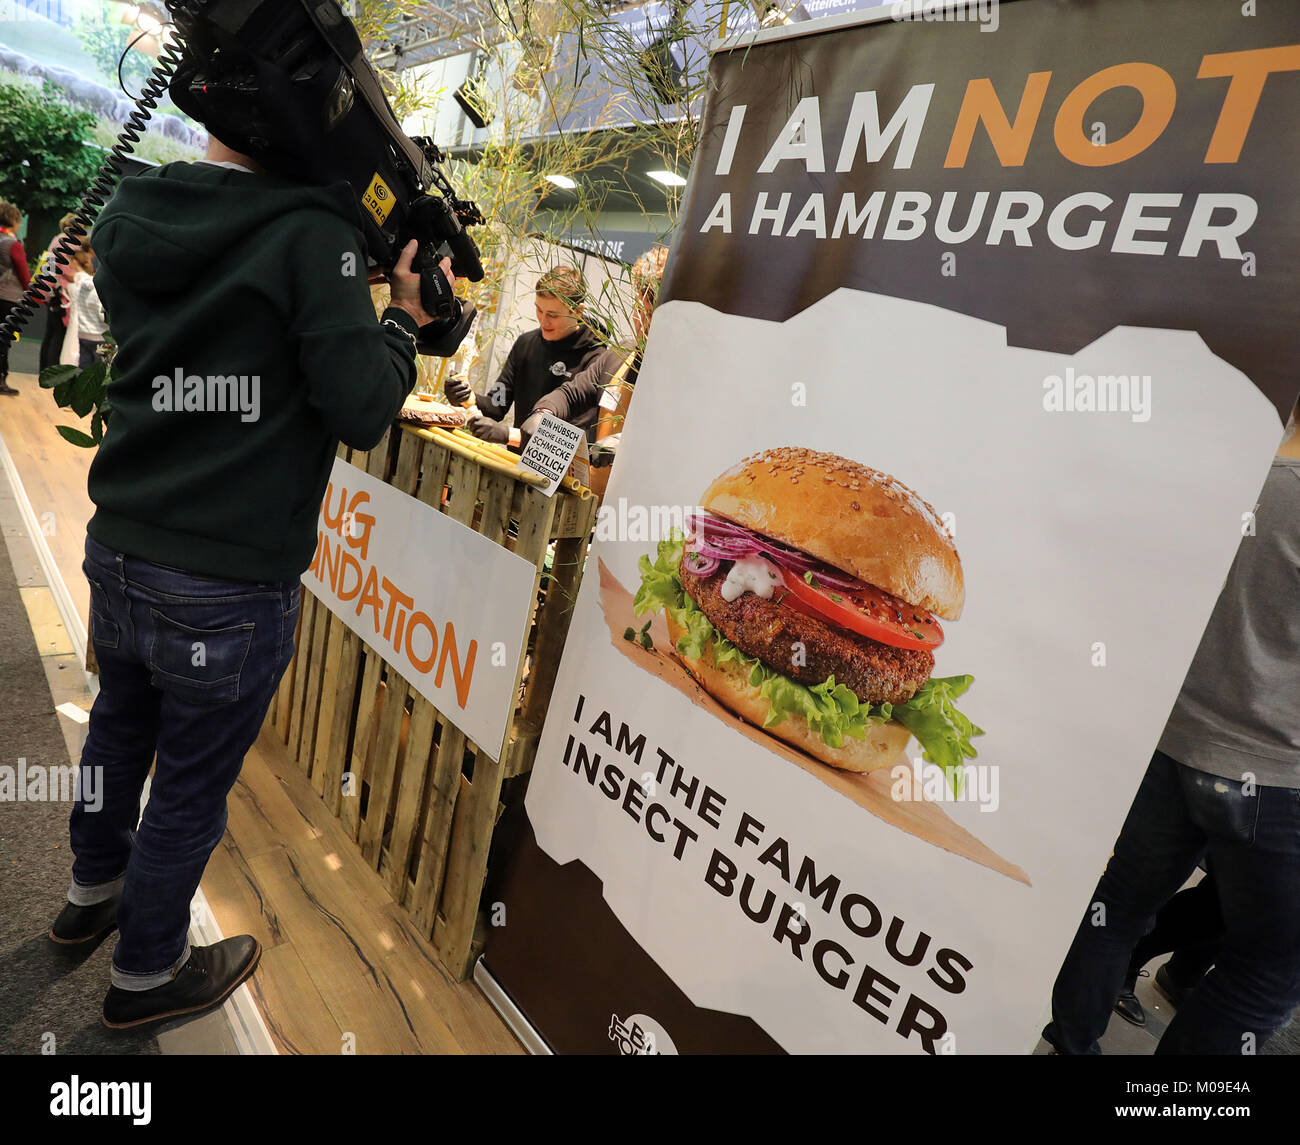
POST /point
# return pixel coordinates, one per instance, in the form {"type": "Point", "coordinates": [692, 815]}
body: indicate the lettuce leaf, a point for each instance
{"type": "Point", "coordinates": [832, 710]}
{"type": "Point", "coordinates": [943, 732]}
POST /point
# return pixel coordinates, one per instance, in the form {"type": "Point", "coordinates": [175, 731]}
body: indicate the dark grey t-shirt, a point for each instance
{"type": "Point", "coordinates": [1239, 710]}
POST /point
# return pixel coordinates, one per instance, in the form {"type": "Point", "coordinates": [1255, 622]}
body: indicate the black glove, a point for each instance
{"type": "Point", "coordinates": [457, 390]}
{"type": "Point", "coordinates": [488, 430]}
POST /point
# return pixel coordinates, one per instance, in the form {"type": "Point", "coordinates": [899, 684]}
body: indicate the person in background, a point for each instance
{"type": "Point", "coordinates": [1188, 927]}
{"type": "Point", "coordinates": [539, 360]}
{"type": "Point", "coordinates": [91, 323]}
{"type": "Point", "coordinates": [57, 297]}
{"type": "Point", "coordinates": [608, 382]}
{"type": "Point", "coordinates": [1225, 782]}
{"type": "Point", "coordinates": [14, 278]}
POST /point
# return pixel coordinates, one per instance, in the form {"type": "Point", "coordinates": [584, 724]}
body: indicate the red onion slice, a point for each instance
{"type": "Point", "coordinates": [702, 565]}
{"type": "Point", "coordinates": [727, 550]}
{"type": "Point", "coordinates": [722, 540]}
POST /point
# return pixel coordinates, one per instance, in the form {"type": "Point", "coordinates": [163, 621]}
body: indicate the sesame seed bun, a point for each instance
{"type": "Point", "coordinates": [861, 521]}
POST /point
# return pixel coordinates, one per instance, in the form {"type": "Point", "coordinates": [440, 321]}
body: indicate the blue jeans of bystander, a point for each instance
{"type": "Point", "coordinates": [1252, 837]}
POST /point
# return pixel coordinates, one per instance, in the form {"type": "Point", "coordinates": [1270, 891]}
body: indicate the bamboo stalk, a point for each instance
{"type": "Point", "coordinates": [490, 449]}
{"type": "Point", "coordinates": [457, 446]}
{"type": "Point", "coordinates": [493, 457]}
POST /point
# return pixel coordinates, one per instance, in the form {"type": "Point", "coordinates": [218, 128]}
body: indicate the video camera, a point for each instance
{"type": "Point", "coordinates": [287, 83]}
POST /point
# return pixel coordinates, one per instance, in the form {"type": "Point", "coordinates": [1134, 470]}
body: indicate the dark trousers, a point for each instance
{"type": "Point", "coordinates": [1189, 924]}
{"type": "Point", "coordinates": [55, 331]}
{"type": "Point", "coordinates": [187, 669]}
{"type": "Point", "coordinates": [89, 349]}
{"type": "Point", "coordinates": [5, 307]}
{"type": "Point", "coordinates": [1252, 839]}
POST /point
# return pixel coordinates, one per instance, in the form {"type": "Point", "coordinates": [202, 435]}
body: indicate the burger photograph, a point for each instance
{"type": "Point", "coordinates": [806, 598]}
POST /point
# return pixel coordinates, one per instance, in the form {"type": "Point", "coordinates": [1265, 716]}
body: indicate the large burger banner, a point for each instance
{"type": "Point", "coordinates": [971, 359]}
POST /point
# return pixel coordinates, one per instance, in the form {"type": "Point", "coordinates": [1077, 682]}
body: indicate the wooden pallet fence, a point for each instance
{"type": "Point", "coordinates": [422, 801]}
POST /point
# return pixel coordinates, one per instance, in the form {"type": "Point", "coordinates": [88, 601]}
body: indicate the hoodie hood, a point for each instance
{"type": "Point", "coordinates": [163, 229]}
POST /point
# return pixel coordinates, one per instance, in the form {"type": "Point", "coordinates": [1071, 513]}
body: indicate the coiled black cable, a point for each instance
{"type": "Point", "coordinates": [105, 182]}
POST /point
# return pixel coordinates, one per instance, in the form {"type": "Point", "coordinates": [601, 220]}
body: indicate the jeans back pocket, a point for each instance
{"type": "Point", "coordinates": [1225, 809]}
{"type": "Point", "coordinates": [202, 665]}
{"type": "Point", "coordinates": [104, 632]}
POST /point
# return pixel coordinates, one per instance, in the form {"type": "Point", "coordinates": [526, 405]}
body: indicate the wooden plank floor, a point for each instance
{"type": "Point", "coordinates": [342, 960]}
{"type": "Point", "coordinates": [342, 967]}
{"type": "Point", "coordinates": [54, 474]}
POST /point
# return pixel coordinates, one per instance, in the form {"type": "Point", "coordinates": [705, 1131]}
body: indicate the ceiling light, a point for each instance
{"type": "Point", "coordinates": [667, 178]}
{"type": "Point", "coordinates": [561, 181]}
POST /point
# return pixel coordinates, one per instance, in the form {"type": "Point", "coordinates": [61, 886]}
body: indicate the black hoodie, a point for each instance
{"type": "Point", "coordinates": [259, 283]}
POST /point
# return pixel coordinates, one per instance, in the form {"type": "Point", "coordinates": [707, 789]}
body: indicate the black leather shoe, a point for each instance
{"type": "Point", "coordinates": [1173, 993]}
{"type": "Point", "coordinates": [1129, 1008]}
{"type": "Point", "coordinates": [208, 977]}
{"type": "Point", "coordinates": [80, 924]}
{"type": "Point", "coordinates": [6, 388]}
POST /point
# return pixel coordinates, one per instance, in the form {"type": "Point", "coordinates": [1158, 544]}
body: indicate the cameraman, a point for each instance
{"type": "Point", "coordinates": [248, 348]}
{"type": "Point", "coordinates": [538, 362]}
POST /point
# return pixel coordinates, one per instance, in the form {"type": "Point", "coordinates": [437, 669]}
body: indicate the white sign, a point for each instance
{"type": "Point", "coordinates": [444, 605]}
{"type": "Point", "coordinates": [550, 450]}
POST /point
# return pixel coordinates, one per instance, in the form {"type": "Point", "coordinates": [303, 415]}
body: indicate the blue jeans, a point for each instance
{"type": "Point", "coordinates": [1253, 843]}
{"type": "Point", "coordinates": [187, 669]}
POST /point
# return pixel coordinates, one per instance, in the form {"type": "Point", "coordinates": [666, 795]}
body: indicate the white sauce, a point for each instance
{"type": "Point", "coordinates": [751, 574]}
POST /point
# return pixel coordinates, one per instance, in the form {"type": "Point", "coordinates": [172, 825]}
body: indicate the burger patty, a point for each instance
{"type": "Point", "coordinates": [877, 673]}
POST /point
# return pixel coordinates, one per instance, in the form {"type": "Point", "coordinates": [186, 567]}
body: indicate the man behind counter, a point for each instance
{"type": "Point", "coordinates": [538, 362]}
{"type": "Point", "coordinates": [609, 380]}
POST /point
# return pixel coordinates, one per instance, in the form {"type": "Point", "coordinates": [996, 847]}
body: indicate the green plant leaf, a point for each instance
{"type": "Point", "coordinates": [62, 392]}
{"type": "Point", "coordinates": [95, 375]}
{"type": "Point", "coordinates": [75, 436]}
{"type": "Point", "coordinates": [84, 395]}
{"type": "Point", "coordinates": [51, 376]}
{"type": "Point", "coordinates": [97, 427]}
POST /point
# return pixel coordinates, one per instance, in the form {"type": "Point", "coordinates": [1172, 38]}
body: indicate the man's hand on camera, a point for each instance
{"type": "Point", "coordinates": [406, 284]}
{"type": "Point", "coordinates": [488, 430]}
{"type": "Point", "coordinates": [458, 391]}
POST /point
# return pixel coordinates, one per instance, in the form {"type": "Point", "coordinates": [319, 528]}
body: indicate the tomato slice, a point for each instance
{"type": "Point", "coordinates": [867, 611]}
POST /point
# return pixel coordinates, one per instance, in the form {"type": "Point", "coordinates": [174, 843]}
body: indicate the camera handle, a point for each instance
{"type": "Point", "coordinates": [436, 295]}
{"type": "Point", "coordinates": [452, 318]}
